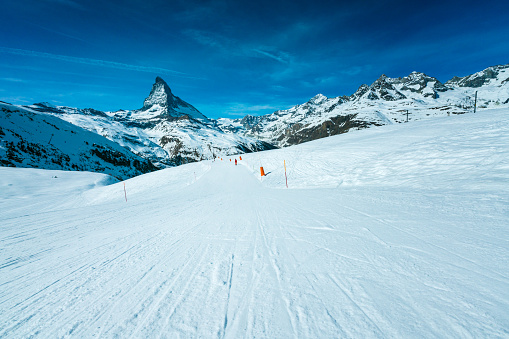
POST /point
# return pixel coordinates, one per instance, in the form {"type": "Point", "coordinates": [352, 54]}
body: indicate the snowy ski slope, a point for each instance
{"type": "Point", "coordinates": [397, 231]}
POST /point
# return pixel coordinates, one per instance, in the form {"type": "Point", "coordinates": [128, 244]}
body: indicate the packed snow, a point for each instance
{"type": "Point", "coordinates": [395, 231]}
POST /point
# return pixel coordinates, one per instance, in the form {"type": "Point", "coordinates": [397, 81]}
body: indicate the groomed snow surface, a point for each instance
{"type": "Point", "coordinates": [397, 231]}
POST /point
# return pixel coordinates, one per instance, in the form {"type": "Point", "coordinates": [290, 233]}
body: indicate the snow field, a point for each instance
{"type": "Point", "coordinates": [468, 152]}
{"type": "Point", "coordinates": [399, 231]}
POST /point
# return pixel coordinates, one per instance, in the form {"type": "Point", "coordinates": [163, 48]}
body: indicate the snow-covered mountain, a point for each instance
{"type": "Point", "coordinates": [163, 104]}
{"type": "Point", "coordinates": [386, 101]}
{"type": "Point", "coordinates": [166, 131]}
{"type": "Point", "coordinates": [33, 139]}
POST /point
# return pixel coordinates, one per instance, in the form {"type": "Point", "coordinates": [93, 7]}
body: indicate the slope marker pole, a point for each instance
{"type": "Point", "coordinates": [475, 102]}
{"type": "Point", "coordinates": [125, 193]}
{"type": "Point", "coordinates": [286, 178]}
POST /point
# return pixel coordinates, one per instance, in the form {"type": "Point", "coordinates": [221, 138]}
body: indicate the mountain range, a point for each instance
{"type": "Point", "coordinates": [386, 101]}
{"type": "Point", "coordinates": [167, 131]}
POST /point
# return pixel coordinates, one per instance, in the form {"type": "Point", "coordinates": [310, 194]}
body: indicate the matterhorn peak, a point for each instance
{"type": "Point", "coordinates": [161, 103]}
{"type": "Point", "coordinates": [159, 79]}
{"type": "Point", "coordinates": [159, 95]}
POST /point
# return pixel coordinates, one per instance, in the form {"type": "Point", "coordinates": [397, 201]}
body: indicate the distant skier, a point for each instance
{"type": "Point", "coordinates": [235, 162]}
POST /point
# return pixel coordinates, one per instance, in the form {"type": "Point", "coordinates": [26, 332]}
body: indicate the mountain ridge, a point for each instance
{"type": "Point", "coordinates": [167, 131]}
{"type": "Point", "coordinates": [386, 101]}
{"type": "Point", "coordinates": [40, 140]}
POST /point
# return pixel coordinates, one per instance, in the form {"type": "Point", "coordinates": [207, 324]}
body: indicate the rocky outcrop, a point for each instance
{"type": "Point", "coordinates": [418, 82]}
{"type": "Point", "coordinates": [480, 78]}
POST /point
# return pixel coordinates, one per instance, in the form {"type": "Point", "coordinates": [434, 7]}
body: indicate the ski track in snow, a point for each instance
{"type": "Point", "coordinates": [376, 238]}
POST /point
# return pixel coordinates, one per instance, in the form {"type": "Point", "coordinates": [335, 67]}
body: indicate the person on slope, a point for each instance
{"type": "Point", "coordinates": [235, 162]}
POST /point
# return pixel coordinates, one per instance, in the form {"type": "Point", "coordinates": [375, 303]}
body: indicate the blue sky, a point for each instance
{"type": "Point", "coordinates": [232, 58]}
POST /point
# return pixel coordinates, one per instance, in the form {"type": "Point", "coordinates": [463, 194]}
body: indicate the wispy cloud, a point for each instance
{"type": "Point", "coordinates": [12, 79]}
{"type": "Point", "coordinates": [93, 75]}
{"type": "Point", "coordinates": [236, 47]}
{"type": "Point", "coordinates": [92, 62]}
{"type": "Point", "coordinates": [55, 31]}
{"type": "Point", "coordinates": [283, 58]}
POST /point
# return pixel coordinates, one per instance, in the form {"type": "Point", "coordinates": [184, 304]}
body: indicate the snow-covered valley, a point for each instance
{"type": "Point", "coordinates": [393, 231]}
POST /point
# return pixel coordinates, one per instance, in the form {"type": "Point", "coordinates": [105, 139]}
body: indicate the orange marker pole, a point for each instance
{"type": "Point", "coordinates": [262, 172]}
{"type": "Point", "coordinates": [286, 178]}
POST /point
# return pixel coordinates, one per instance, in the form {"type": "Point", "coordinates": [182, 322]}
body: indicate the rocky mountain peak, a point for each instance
{"type": "Point", "coordinates": [418, 82]}
{"type": "Point", "coordinates": [360, 92]}
{"type": "Point", "coordinates": [160, 80]}
{"type": "Point", "coordinates": [159, 95]}
{"type": "Point", "coordinates": [318, 99]}
{"type": "Point", "coordinates": [415, 76]}
{"type": "Point", "coordinates": [250, 121]}
{"type": "Point", "coordinates": [383, 82]}
{"type": "Point", "coordinates": [383, 89]}
{"type": "Point", "coordinates": [162, 104]}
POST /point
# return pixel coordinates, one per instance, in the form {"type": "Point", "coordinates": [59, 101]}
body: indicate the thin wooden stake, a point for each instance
{"type": "Point", "coordinates": [475, 102]}
{"type": "Point", "coordinates": [286, 178]}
